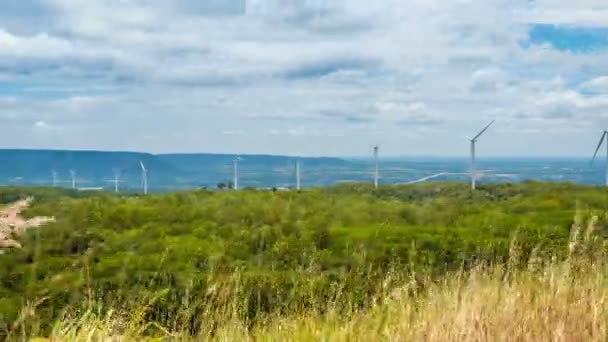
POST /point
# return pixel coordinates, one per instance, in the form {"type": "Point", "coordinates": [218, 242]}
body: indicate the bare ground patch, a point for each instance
{"type": "Point", "coordinates": [12, 224]}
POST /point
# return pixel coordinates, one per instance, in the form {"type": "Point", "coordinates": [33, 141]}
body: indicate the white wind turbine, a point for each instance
{"type": "Point", "coordinates": [235, 172]}
{"type": "Point", "coordinates": [473, 142]}
{"type": "Point", "coordinates": [604, 134]}
{"type": "Point", "coordinates": [298, 183]}
{"type": "Point", "coordinates": [116, 181]}
{"type": "Point", "coordinates": [54, 176]}
{"type": "Point", "coordinates": [73, 177]}
{"type": "Point", "coordinates": [144, 177]}
{"type": "Point", "coordinates": [376, 166]}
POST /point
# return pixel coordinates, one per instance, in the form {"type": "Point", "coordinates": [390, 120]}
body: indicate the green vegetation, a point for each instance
{"type": "Point", "coordinates": [176, 262]}
{"type": "Point", "coordinates": [563, 301]}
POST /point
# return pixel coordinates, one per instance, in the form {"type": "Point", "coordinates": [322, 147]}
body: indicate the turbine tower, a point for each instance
{"type": "Point", "coordinates": [235, 173]}
{"type": "Point", "coordinates": [376, 167]}
{"type": "Point", "coordinates": [144, 177]}
{"type": "Point", "coordinates": [54, 176]}
{"type": "Point", "coordinates": [604, 134]}
{"type": "Point", "coordinates": [116, 181]}
{"type": "Point", "coordinates": [298, 183]}
{"type": "Point", "coordinates": [73, 176]}
{"type": "Point", "coordinates": [473, 142]}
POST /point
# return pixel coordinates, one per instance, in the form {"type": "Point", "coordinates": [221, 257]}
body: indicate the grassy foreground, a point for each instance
{"type": "Point", "coordinates": [543, 301]}
{"type": "Point", "coordinates": [552, 305]}
{"type": "Point", "coordinates": [431, 262]}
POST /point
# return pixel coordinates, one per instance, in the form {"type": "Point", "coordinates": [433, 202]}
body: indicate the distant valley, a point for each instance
{"type": "Point", "coordinates": [168, 172]}
{"type": "Point", "coordinates": [98, 169]}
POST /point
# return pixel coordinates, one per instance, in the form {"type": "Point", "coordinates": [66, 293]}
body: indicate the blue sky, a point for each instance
{"type": "Point", "coordinates": [576, 39]}
{"type": "Point", "coordinates": [309, 77]}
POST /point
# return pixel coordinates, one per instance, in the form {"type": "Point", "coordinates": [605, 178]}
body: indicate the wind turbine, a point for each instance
{"type": "Point", "coordinates": [116, 181]}
{"type": "Point", "coordinates": [54, 176]}
{"type": "Point", "coordinates": [235, 171]}
{"type": "Point", "coordinates": [604, 134]}
{"type": "Point", "coordinates": [473, 142]}
{"type": "Point", "coordinates": [73, 176]}
{"type": "Point", "coordinates": [376, 167]}
{"type": "Point", "coordinates": [298, 183]}
{"type": "Point", "coordinates": [144, 177]}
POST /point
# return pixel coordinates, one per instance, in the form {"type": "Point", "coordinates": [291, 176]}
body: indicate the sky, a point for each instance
{"type": "Point", "coordinates": [305, 77]}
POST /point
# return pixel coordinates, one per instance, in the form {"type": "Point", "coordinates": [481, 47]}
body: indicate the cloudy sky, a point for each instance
{"type": "Point", "coordinates": [312, 77]}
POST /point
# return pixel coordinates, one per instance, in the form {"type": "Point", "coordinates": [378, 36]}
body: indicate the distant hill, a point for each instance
{"type": "Point", "coordinates": [93, 168]}
{"type": "Point", "coordinates": [254, 170]}
{"type": "Point", "coordinates": [198, 162]}
{"type": "Point", "coordinates": [166, 171]}
{"type": "Point", "coordinates": [169, 172]}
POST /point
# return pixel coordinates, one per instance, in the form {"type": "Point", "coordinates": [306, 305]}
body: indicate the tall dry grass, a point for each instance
{"type": "Point", "coordinates": [538, 300]}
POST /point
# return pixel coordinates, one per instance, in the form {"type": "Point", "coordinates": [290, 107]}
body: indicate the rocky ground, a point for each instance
{"type": "Point", "coordinates": [13, 225]}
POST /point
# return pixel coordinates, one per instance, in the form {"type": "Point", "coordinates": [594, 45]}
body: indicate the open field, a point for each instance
{"type": "Point", "coordinates": [431, 261]}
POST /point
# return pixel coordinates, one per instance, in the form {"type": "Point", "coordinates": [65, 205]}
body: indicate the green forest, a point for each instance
{"type": "Point", "coordinates": [258, 254]}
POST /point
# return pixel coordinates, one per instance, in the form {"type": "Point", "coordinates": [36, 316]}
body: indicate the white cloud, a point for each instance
{"type": "Point", "coordinates": [234, 132]}
{"type": "Point", "coordinates": [79, 104]}
{"type": "Point", "coordinates": [39, 45]}
{"type": "Point", "coordinates": [581, 12]}
{"type": "Point", "coordinates": [414, 113]}
{"type": "Point", "coordinates": [571, 105]}
{"type": "Point", "coordinates": [40, 124]}
{"type": "Point", "coordinates": [358, 70]}
{"type": "Point", "coordinates": [596, 85]}
{"type": "Point", "coordinates": [488, 80]}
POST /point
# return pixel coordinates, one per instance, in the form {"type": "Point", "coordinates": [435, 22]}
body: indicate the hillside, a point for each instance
{"type": "Point", "coordinates": [194, 257]}
{"type": "Point", "coordinates": [93, 168]}
{"type": "Point", "coordinates": [262, 171]}
{"type": "Point", "coordinates": [166, 171]}
{"type": "Point", "coordinates": [196, 162]}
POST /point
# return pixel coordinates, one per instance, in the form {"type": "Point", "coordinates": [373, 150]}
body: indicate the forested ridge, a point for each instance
{"type": "Point", "coordinates": [263, 253]}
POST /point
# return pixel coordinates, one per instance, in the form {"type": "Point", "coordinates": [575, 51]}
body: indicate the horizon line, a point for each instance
{"type": "Point", "coordinates": [294, 155]}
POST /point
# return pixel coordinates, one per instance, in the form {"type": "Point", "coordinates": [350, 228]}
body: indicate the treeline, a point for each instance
{"type": "Point", "coordinates": [263, 252]}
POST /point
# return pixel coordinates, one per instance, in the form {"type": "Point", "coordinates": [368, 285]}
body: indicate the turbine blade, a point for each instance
{"type": "Point", "coordinates": [483, 130]}
{"type": "Point", "coordinates": [143, 168]}
{"type": "Point", "coordinates": [598, 147]}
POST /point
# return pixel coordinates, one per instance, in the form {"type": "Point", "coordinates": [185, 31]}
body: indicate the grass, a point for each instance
{"type": "Point", "coordinates": [413, 263]}
{"type": "Point", "coordinates": [520, 300]}
{"type": "Point", "coordinates": [550, 304]}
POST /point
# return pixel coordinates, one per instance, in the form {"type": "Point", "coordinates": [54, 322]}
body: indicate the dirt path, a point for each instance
{"type": "Point", "coordinates": [11, 223]}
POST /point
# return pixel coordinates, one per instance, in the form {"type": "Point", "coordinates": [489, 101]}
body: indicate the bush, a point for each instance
{"type": "Point", "coordinates": [286, 249]}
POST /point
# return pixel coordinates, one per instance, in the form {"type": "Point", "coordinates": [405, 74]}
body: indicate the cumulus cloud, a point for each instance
{"type": "Point", "coordinates": [596, 85]}
{"type": "Point", "coordinates": [415, 113]}
{"type": "Point", "coordinates": [39, 45]}
{"type": "Point", "coordinates": [572, 106]}
{"type": "Point", "coordinates": [343, 71]}
{"type": "Point", "coordinates": [488, 80]}
{"type": "Point", "coordinates": [582, 12]}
